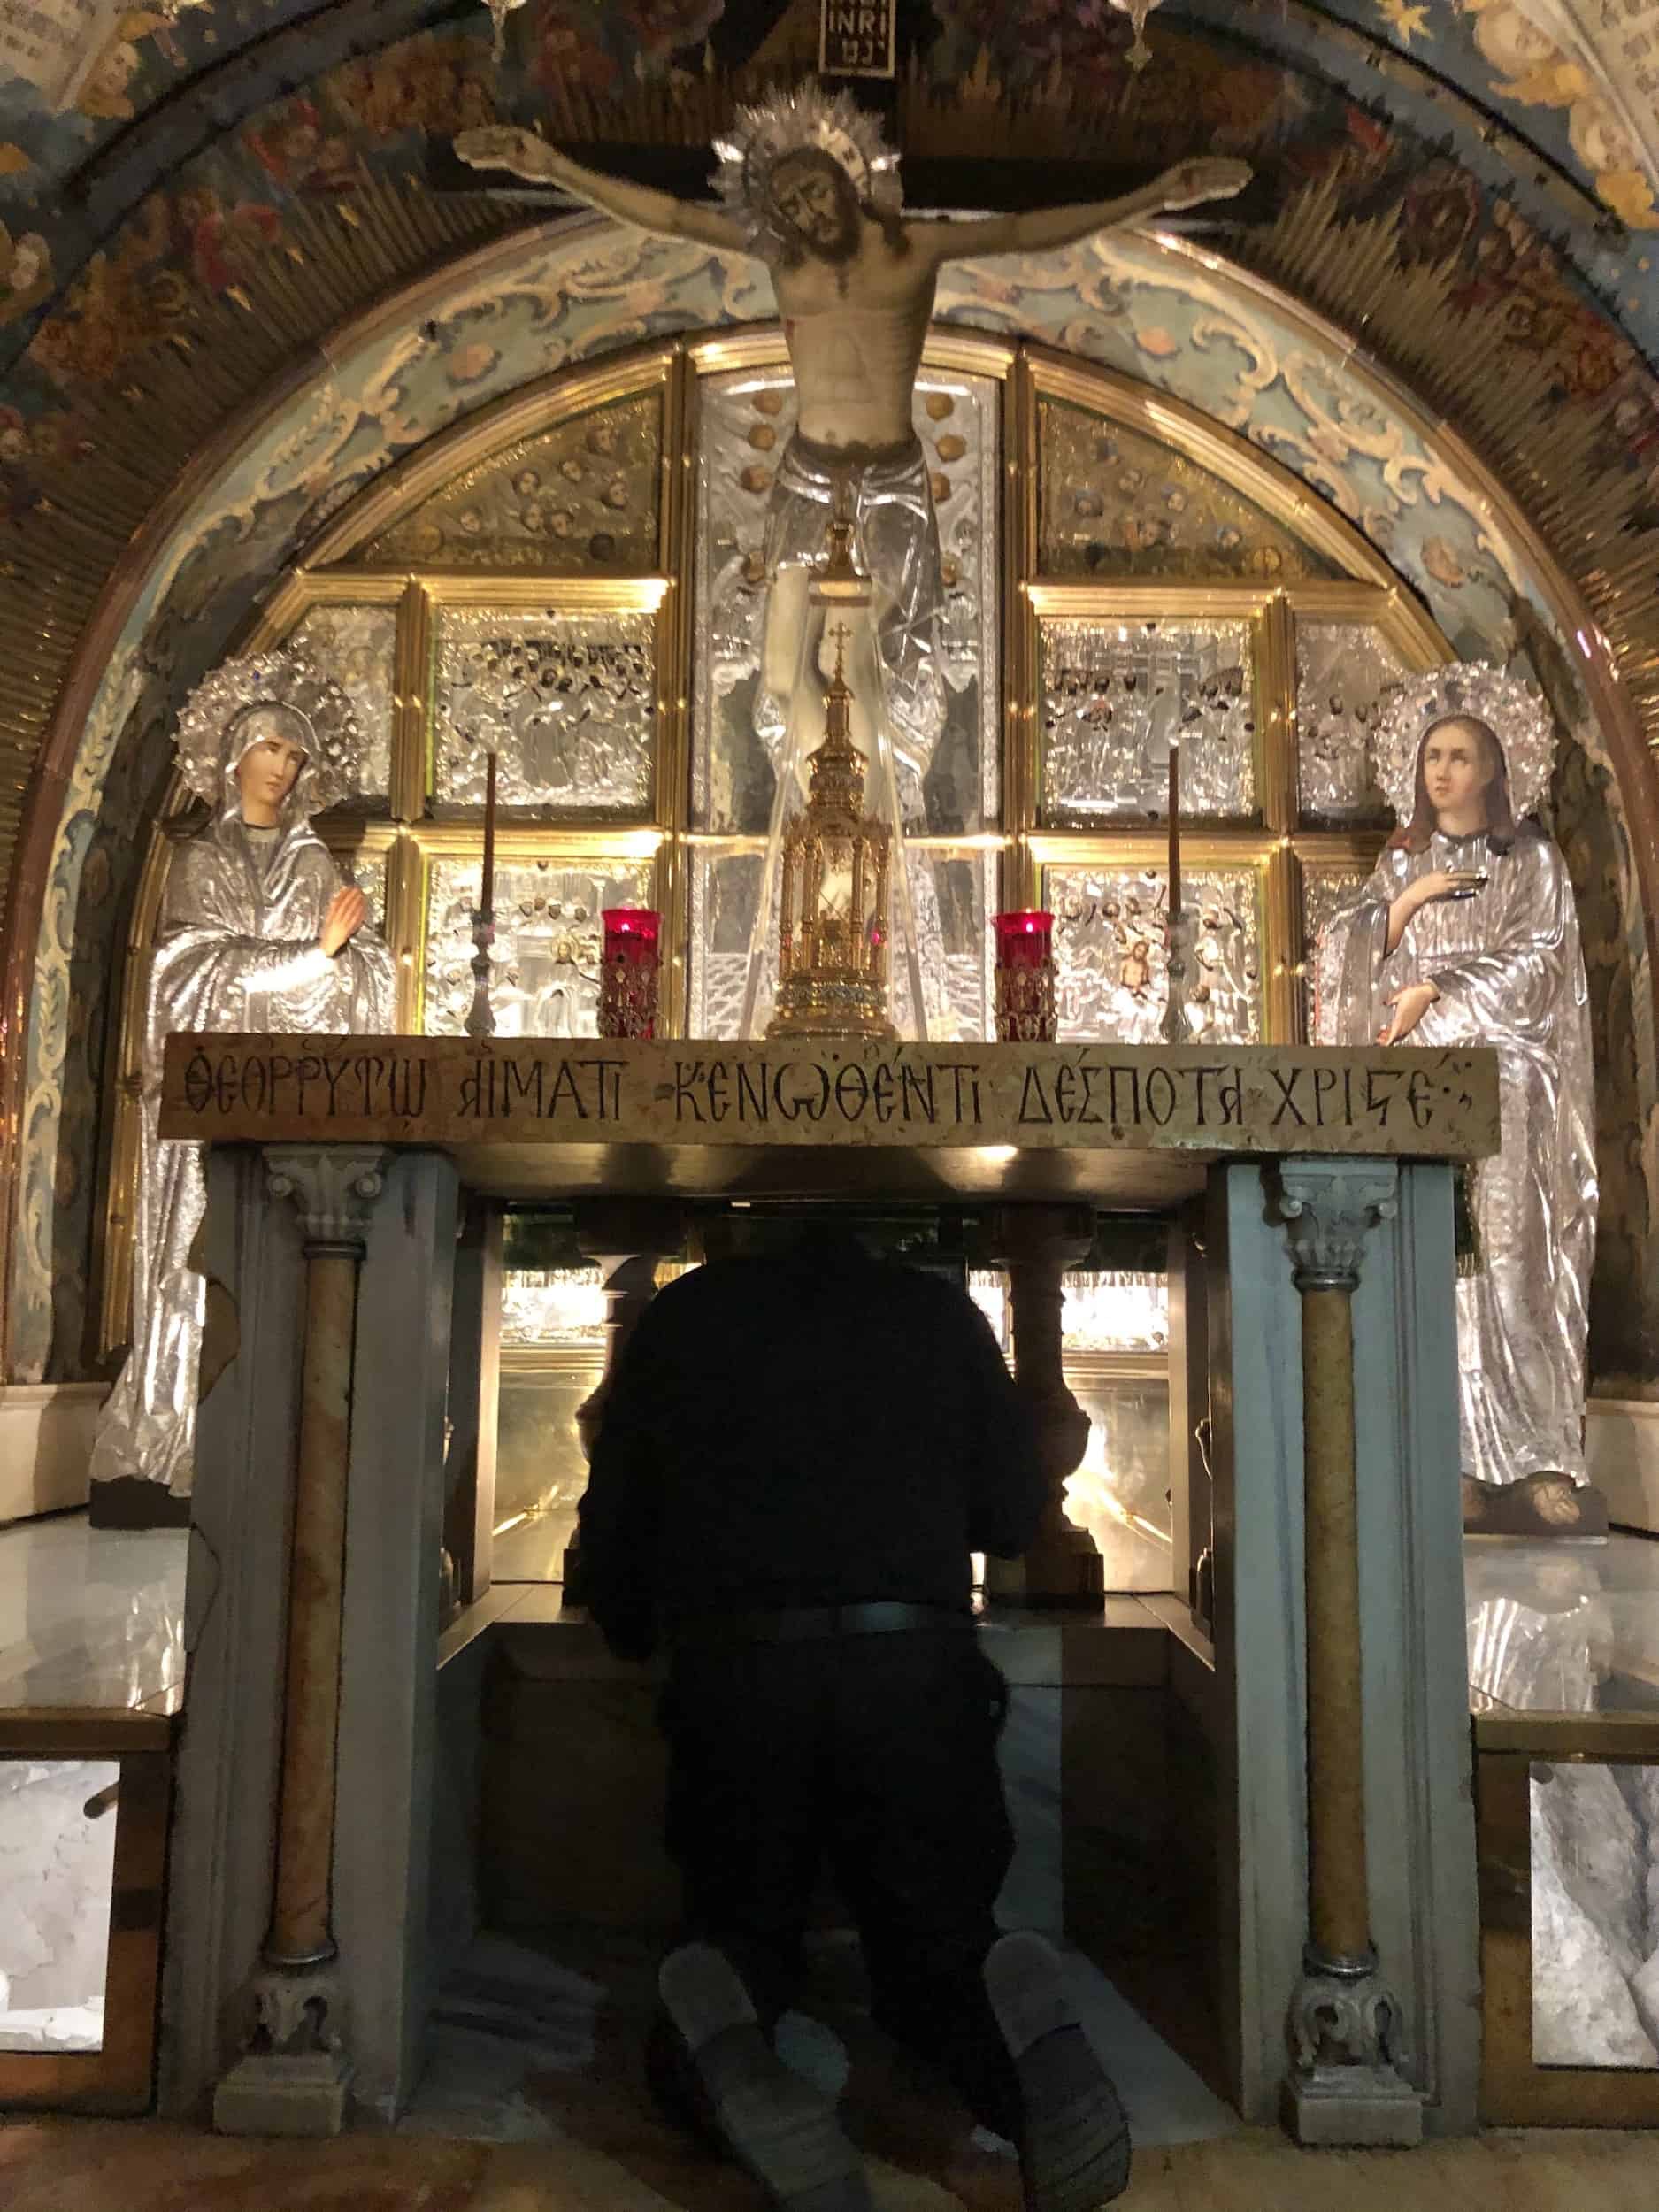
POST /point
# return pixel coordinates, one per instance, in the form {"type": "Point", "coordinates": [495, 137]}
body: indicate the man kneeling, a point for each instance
{"type": "Point", "coordinates": [797, 1455]}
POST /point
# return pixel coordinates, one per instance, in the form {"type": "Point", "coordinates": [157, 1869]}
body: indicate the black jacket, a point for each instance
{"type": "Point", "coordinates": [816, 1427]}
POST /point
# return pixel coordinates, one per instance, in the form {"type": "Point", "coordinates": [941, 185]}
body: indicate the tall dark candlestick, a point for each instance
{"type": "Point", "coordinates": [486, 896]}
{"type": "Point", "coordinates": [1175, 827]}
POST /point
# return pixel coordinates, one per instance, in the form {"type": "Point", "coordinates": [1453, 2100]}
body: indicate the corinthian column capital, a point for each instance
{"type": "Point", "coordinates": [334, 1187]}
{"type": "Point", "coordinates": [1329, 1207]}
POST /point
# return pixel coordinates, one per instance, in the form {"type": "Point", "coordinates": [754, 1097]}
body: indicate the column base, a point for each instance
{"type": "Point", "coordinates": [271, 2093]}
{"type": "Point", "coordinates": [1063, 1571]}
{"type": "Point", "coordinates": [1354, 2107]}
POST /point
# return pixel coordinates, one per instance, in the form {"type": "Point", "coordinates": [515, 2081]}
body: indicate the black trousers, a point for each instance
{"type": "Point", "coordinates": [875, 1754]}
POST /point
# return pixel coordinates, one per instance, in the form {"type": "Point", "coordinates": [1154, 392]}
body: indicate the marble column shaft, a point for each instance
{"type": "Point", "coordinates": [300, 1930]}
{"type": "Point", "coordinates": [1345, 2084]}
{"type": "Point", "coordinates": [294, 2074]}
{"type": "Point", "coordinates": [1338, 1912]}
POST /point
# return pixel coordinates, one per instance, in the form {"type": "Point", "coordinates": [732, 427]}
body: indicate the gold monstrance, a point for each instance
{"type": "Point", "coordinates": [833, 921]}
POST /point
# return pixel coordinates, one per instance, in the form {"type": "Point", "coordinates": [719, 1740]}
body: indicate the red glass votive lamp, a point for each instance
{"type": "Point", "coordinates": [628, 972]}
{"type": "Point", "coordinates": [1025, 977]}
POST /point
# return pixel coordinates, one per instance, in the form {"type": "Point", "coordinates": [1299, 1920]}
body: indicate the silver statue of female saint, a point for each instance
{"type": "Point", "coordinates": [259, 933]}
{"type": "Point", "coordinates": [1467, 934]}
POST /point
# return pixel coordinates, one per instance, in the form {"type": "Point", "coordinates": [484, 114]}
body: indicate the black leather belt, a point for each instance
{"type": "Point", "coordinates": [797, 1623]}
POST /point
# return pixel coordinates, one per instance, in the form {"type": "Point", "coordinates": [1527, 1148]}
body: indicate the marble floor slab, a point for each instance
{"type": "Point", "coordinates": [141, 2166]}
{"type": "Point", "coordinates": [91, 1616]}
{"type": "Point", "coordinates": [544, 2045]}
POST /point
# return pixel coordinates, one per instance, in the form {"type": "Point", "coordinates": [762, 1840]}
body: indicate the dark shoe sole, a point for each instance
{"type": "Point", "coordinates": [776, 2124]}
{"type": "Point", "coordinates": [1074, 2155]}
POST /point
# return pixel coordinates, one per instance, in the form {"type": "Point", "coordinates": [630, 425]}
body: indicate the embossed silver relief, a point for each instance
{"type": "Point", "coordinates": [563, 1307]}
{"type": "Point", "coordinates": [747, 420]}
{"type": "Point", "coordinates": [544, 980]}
{"type": "Point", "coordinates": [1111, 961]}
{"type": "Point", "coordinates": [358, 647]}
{"type": "Point", "coordinates": [1341, 670]}
{"type": "Point", "coordinates": [1116, 694]}
{"type": "Point", "coordinates": [567, 701]}
{"type": "Point", "coordinates": [1323, 891]}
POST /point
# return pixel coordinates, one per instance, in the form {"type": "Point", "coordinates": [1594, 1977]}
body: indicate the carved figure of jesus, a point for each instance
{"type": "Point", "coordinates": [810, 190]}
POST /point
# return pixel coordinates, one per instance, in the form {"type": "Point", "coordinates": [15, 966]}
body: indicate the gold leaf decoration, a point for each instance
{"type": "Point", "coordinates": [581, 497]}
{"type": "Point", "coordinates": [1113, 501]}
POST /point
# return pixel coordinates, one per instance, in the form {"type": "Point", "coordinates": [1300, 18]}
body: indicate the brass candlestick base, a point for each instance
{"type": "Point", "coordinates": [480, 1020]}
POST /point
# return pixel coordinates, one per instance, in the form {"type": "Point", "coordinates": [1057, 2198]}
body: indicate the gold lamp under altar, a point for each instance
{"type": "Point", "coordinates": [832, 943]}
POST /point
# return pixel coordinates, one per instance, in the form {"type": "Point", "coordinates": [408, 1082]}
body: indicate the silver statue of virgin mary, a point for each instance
{"type": "Point", "coordinates": [1467, 934]}
{"type": "Point", "coordinates": [258, 933]}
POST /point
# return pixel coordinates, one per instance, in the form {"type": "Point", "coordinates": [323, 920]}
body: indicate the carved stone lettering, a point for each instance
{"type": "Point", "coordinates": [1266, 1099]}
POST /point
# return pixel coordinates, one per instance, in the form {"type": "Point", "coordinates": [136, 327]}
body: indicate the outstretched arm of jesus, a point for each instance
{"type": "Point", "coordinates": [503, 146]}
{"type": "Point", "coordinates": [1042, 229]}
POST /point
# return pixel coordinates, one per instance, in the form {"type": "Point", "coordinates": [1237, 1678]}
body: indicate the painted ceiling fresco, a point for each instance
{"type": "Point", "coordinates": [1497, 51]}
{"type": "Point", "coordinates": [272, 82]}
{"type": "Point", "coordinates": [192, 242]}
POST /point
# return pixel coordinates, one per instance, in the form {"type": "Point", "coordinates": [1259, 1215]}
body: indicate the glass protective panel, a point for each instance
{"type": "Point", "coordinates": [568, 702]}
{"type": "Point", "coordinates": [1110, 966]}
{"type": "Point", "coordinates": [540, 1467]}
{"type": "Point", "coordinates": [1595, 1946]}
{"type": "Point", "coordinates": [57, 1872]}
{"type": "Point", "coordinates": [358, 647]}
{"type": "Point", "coordinates": [747, 420]}
{"type": "Point", "coordinates": [1115, 695]}
{"type": "Point", "coordinates": [953, 895]}
{"type": "Point", "coordinates": [544, 979]}
{"type": "Point", "coordinates": [1120, 1492]}
{"type": "Point", "coordinates": [1341, 671]}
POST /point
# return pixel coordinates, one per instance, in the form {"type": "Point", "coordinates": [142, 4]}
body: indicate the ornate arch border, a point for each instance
{"type": "Point", "coordinates": [629, 290]}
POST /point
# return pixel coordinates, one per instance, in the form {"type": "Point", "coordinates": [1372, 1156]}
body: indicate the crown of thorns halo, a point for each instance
{"type": "Point", "coordinates": [1514, 710]}
{"type": "Point", "coordinates": [285, 678]}
{"type": "Point", "coordinates": [786, 123]}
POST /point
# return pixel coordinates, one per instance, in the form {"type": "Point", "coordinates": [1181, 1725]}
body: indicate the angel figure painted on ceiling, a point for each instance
{"type": "Point", "coordinates": [258, 933]}
{"type": "Point", "coordinates": [1467, 934]}
{"type": "Point", "coordinates": [808, 186]}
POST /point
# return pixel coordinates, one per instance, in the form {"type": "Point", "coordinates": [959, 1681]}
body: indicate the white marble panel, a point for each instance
{"type": "Point", "coordinates": [57, 1867]}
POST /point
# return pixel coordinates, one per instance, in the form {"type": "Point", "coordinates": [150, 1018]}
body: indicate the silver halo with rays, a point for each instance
{"type": "Point", "coordinates": [1515, 711]}
{"type": "Point", "coordinates": [787, 123]}
{"type": "Point", "coordinates": [284, 678]}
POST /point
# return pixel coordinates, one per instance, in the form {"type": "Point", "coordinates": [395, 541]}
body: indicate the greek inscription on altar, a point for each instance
{"type": "Point", "coordinates": [857, 39]}
{"type": "Point", "coordinates": [1261, 1099]}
